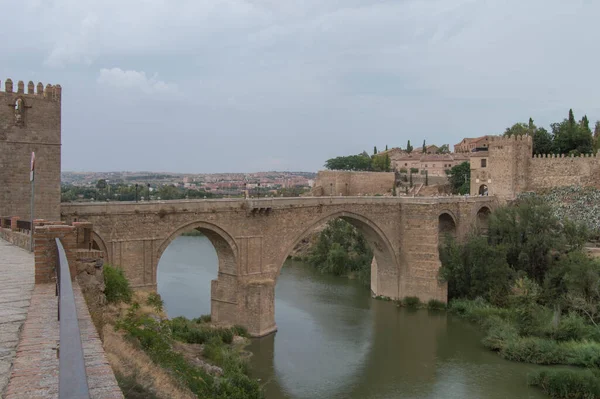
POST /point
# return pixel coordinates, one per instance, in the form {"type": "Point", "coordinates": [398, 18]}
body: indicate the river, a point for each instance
{"type": "Point", "coordinates": [335, 341]}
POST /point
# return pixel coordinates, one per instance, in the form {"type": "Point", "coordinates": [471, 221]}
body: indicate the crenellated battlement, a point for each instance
{"type": "Point", "coordinates": [50, 92]}
{"type": "Point", "coordinates": [503, 140]}
{"type": "Point", "coordinates": [563, 156]}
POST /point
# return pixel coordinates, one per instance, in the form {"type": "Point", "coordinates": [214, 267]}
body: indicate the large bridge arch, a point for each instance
{"type": "Point", "coordinates": [224, 289]}
{"type": "Point", "coordinates": [384, 270]}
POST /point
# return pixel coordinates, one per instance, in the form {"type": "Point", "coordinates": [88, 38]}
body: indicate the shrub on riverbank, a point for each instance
{"type": "Point", "coordinates": [156, 337]}
{"type": "Point", "coordinates": [116, 285]}
{"type": "Point", "coordinates": [434, 304]}
{"type": "Point", "coordinates": [568, 384]}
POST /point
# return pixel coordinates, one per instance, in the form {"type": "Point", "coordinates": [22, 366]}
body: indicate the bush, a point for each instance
{"type": "Point", "coordinates": [403, 170]}
{"type": "Point", "coordinates": [571, 384]}
{"type": "Point", "coordinates": [116, 285]}
{"type": "Point", "coordinates": [155, 301]}
{"type": "Point", "coordinates": [411, 302]}
{"type": "Point", "coordinates": [499, 333]}
{"type": "Point", "coordinates": [533, 350]}
{"type": "Point", "coordinates": [434, 304]}
{"type": "Point", "coordinates": [574, 327]}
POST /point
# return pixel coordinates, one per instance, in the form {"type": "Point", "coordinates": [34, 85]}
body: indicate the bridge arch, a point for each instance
{"type": "Point", "coordinates": [222, 241]}
{"type": "Point", "coordinates": [482, 219]}
{"type": "Point", "coordinates": [385, 277]}
{"type": "Point", "coordinates": [446, 224]}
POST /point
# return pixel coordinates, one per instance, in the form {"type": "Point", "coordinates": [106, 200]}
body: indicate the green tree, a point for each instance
{"type": "Point", "coordinates": [424, 147]}
{"type": "Point", "coordinates": [386, 147]}
{"type": "Point", "coordinates": [409, 147]}
{"type": "Point", "coordinates": [394, 192]}
{"type": "Point", "coordinates": [475, 269]}
{"type": "Point", "coordinates": [375, 150]}
{"type": "Point", "coordinates": [533, 236]}
{"type": "Point", "coordinates": [381, 163]}
{"type": "Point", "coordinates": [101, 184]}
{"type": "Point", "coordinates": [444, 149]}
{"type": "Point", "coordinates": [571, 137]}
{"type": "Point", "coordinates": [542, 141]}
{"type": "Point", "coordinates": [410, 178]}
{"type": "Point", "coordinates": [426, 178]}
{"type": "Point", "coordinates": [351, 162]}
{"type": "Point", "coordinates": [459, 177]}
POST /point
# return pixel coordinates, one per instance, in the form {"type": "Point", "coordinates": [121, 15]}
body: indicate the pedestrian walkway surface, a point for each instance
{"type": "Point", "coordinates": [29, 369]}
{"type": "Point", "coordinates": [16, 286]}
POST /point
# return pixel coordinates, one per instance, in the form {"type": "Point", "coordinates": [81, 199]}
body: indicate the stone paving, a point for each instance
{"type": "Point", "coordinates": [30, 367]}
{"type": "Point", "coordinates": [16, 286]}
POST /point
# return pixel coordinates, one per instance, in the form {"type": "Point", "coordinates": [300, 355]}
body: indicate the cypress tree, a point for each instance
{"type": "Point", "coordinates": [375, 150]}
{"type": "Point", "coordinates": [424, 147]}
{"type": "Point", "coordinates": [409, 147]}
{"type": "Point", "coordinates": [386, 147]}
{"type": "Point", "coordinates": [426, 178]}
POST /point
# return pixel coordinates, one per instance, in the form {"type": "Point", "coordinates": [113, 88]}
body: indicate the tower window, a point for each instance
{"type": "Point", "coordinates": [19, 111]}
{"type": "Point", "coordinates": [483, 163]}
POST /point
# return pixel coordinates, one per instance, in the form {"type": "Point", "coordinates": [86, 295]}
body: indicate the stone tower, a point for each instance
{"type": "Point", "coordinates": [30, 122]}
{"type": "Point", "coordinates": [502, 170]}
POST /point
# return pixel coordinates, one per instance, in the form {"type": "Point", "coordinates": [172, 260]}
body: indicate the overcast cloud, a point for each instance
{"type": "Point", "coordinates": [248, 85]}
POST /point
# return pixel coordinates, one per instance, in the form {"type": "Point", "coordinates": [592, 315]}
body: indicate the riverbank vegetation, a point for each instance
{"type": "Point", "coordinates": [534, 290]}
{"type": "Point", "coordinates": [340, 249]}
{"type": "Point", "coordinates": [154, 357]}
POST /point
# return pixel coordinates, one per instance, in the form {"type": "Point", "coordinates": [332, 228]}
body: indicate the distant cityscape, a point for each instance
{"type": "Point", "coordinates": [217, 184]}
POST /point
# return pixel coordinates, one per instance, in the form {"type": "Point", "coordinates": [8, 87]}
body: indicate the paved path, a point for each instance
{"type": "Point", "coordinates": [16, 286]}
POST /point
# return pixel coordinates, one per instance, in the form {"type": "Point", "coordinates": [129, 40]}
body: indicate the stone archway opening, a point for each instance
{"type": "Point", "coordinates": [196, 273]}
{"type": "Point", "coordinates": [483, 190]}
{"type": "Point", "coordinates": [483, 220]}
{"type": "Point", "coordinates": [384, 271]}
{"type": "Point", "coordinates": [446, 226]}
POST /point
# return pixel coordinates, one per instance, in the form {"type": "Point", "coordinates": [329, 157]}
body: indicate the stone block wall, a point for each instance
{"type": "Point", "coordinates": [30, 121]}
{"type": "Point", "coordinates": [349, 183]}
{"type": "Point", "coordinates": [550, 171]}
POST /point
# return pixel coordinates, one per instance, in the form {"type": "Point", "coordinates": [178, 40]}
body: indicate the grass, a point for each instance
{"type": "Point", "coordinates": [155, 338]}
{"type": "Point", "coordinates": [568, 384]}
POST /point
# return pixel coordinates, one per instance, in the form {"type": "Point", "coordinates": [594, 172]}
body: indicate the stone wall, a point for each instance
{"type": "Point", "coordinates": [30, 121]}
{"type": "Point", "coordinates": [22, 240]}
{"type": "Point", "coordinates": [349, 183]}
{"type": "Point", "coordinates": [551, 171]}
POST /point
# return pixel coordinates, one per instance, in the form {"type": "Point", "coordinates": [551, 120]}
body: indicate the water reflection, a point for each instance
{"type": "Point", "coordinates": [334, 341]}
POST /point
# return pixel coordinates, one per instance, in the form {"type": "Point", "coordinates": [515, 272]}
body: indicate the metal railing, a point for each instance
{"type": "Point", "coordinates": [72, 380]}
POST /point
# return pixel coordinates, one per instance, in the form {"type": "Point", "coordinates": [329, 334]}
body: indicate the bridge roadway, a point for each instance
{"type": "Point", "coordinates": [253, 238]}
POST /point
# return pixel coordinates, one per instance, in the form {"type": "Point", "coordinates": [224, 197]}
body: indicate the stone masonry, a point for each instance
{"type": "Point", "coordinates": [339, 182]}
{"type": "Point", "coordinates": [508, 168]}
{"type": "Point", "coordinates": [253, 238]}
{"type": "Point", "coordinates": [30, 122]}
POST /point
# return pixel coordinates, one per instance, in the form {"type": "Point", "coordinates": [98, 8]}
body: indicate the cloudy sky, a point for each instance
{"type": "Point", "coordinates": [250, 85]}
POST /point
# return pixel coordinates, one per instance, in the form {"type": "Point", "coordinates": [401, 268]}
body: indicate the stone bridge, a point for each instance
{"type": "Point", "coordinates": [254, 237]}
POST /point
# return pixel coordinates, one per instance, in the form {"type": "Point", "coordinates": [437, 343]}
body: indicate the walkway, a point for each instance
{"type": "Point", "coordinates": [16, 286]}
{"type": "Point", "coordinates": [32, 365]}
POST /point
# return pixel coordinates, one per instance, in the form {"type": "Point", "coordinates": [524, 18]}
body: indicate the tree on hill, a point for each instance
{"type": "Point", "coordinates": [460, 178]}
{"type": "Point", "coordinates": [381, 163]}
{"type": "Point", "coordinates": [571, 137]}
{"type": "Point", "coordinates": [444, 149]}
{"type": "Point", "coordinates": [101, 184]}
{"type": "Point", "coordinates": [351, 162]}
{"type": "Point", "coordinates": [375, 150]}
{"type": "Point", "coordinates": [409, 147]}
{"type": "Point", "coordinates": [424, 147]}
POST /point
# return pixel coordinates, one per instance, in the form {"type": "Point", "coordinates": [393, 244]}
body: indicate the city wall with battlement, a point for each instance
{"type": "Point", "coordinates": [30, 121]}
{"type": "Point", "coordinates": [509, 168]}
